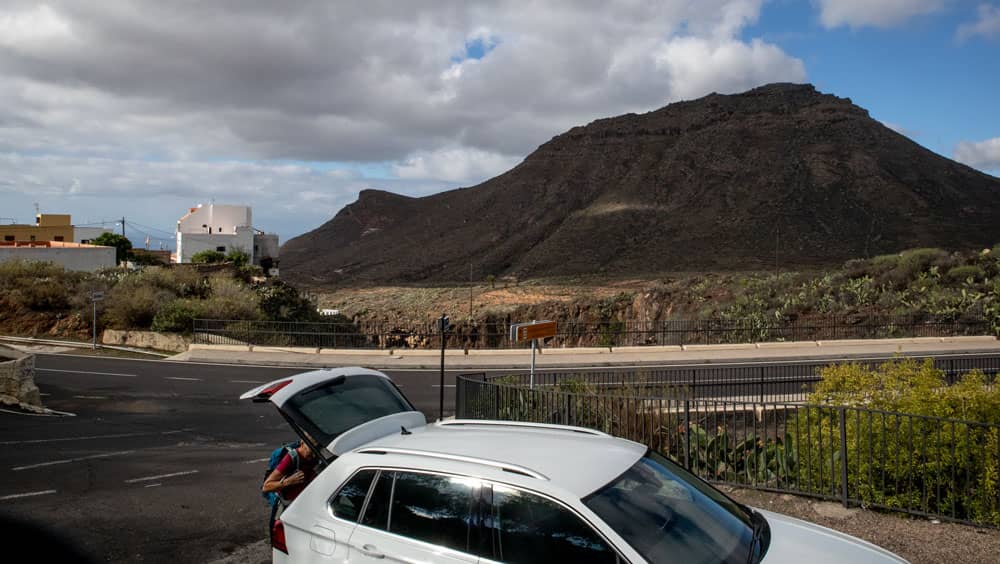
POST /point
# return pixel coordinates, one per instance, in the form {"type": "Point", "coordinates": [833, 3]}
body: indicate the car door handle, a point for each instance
{"type": "Point", "coordinates": [371, 550]}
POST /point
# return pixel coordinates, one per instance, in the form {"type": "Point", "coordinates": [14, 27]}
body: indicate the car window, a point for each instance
{"type": "Point", "coordinates": [432, 508]}
{"type": "Point", "coordinates": [377, 512]}
{"type": "Point", "coordinates": [349, 501]}
{"type": "Point", "coordinates": [669, 516]}
{"type": "Point", "coordinates": [344, 403]}
{"type": "Point", "coordinates": [524, 528]}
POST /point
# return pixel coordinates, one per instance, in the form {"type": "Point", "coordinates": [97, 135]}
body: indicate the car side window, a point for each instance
{"type": "Point", "coordinates": [377, 512]}
{"type": "Point", "coordinates": [432, 508]}
{"type": "Point", "coordinates": [524, 528]}
{"type": "Point", "coordinates": [348, 502]}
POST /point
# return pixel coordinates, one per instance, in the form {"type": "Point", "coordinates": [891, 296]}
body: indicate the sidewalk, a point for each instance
{"type": "Point", "coordinates": [591, 356]}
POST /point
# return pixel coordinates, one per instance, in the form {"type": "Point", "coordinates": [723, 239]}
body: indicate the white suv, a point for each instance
{"type": "Point", "coordinates": [396, 489]}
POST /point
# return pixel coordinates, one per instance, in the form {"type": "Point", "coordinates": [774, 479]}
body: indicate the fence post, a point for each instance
{"type": "Point", "coordinates": [843, 455]}
{"type": "Point", "coordinates": [569, 400]}
{"type": "Point", "coordinates": [761, 370]}
{"type": "Point", "coordinates": [687, 434]}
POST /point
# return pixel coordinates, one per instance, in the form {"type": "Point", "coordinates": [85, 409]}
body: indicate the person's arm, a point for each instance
{"type": "Point", "coordinates": [274, 482]}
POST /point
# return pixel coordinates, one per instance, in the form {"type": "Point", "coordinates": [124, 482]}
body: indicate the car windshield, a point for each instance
{"type": "Point", "coordinates": [668, 515]}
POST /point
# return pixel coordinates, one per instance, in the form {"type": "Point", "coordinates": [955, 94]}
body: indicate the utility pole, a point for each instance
{"type": "Point", "coordinates": [123, 226]}
{"type": "Point", "coordinates": [443, 326]}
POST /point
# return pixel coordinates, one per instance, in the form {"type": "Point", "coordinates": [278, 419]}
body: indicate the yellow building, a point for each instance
{"type": "Point", "coordinates": [47, 227]}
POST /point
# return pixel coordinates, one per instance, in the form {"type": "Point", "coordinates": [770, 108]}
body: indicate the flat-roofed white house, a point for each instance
{"type": "Point", "coordinates": [224, 228]}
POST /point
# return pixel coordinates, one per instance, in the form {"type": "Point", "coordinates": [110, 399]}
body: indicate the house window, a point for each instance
{"type": "Point", "coordinates": [84, 241]}
{"type": "Point", "coordinates": [221, 249]}
{"type": "Point", "coordinates": [32, 237]}
{"type": "Point", "coordinates": [8, 237]}
{"type": "Point", "coordinates": [59, 238]}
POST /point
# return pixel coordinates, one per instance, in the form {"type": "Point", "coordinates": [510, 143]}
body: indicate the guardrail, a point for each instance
{"type": "Point", "coordinates": [921, 465]}
{"type": "Point", "coordinates": [494, 335]}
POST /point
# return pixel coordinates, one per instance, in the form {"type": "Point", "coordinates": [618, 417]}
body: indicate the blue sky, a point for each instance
{"type": "Point", "coordinates": [147, 108]}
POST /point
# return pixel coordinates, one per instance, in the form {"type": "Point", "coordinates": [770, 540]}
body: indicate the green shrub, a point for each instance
{"type": "Point", "coordinates": [281, 302]}
{"type": "Point", "coordinates": [177, 316]}
{"type": "Point", "coordinates": [207, 257]}
{"type": "Point", "coordinates": [238, 257]}
{"type": "Point", "coordinates": [230, 299]}
{"type": "Point", "coordinates": [960, 274]}
{"type": "Point", "coordinates": [133, 306]}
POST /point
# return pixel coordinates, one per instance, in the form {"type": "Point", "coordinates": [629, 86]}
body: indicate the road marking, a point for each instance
{"type": "Point", "coordinates": [29, 494]}
{"type": "Point", "coordinates": [153, 485]}
{"type": "Point", "coordinates": [161, 476]}
{"type": "Point", "coordinates": [87, 372]}
{"type": "Point", "coordinates": [247, 382]}
{"type": "Point", "coordinates": [255, 460]}
{"type": "Point", "coordinates": [89, 437]}
{"type": "Point", "coordinates": [68, 460]}
{"type": "Point", "coordinates": [446, 385]}
{"type": "Point", "coordinates": [179, 378]}
{"type": "Point", "coordinates": [91, 397]}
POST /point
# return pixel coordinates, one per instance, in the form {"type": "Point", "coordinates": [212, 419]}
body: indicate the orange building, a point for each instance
{"type": "Point", "coordinates": [47, 227]}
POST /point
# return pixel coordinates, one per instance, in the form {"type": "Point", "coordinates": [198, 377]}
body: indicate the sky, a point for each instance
{"type": "Point", "coordinates": [143, 109]}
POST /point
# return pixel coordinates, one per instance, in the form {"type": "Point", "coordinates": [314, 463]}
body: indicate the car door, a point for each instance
{"type": "Point", "coordinates": [416, 516]}
{"type": "Point", "coordinates": [336, 410]}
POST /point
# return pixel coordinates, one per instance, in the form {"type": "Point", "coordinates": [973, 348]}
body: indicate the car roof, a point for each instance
{"type": "Point", "coordinates": [543, 457]}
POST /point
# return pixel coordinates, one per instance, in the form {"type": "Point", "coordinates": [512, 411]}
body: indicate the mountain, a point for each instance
{"type": "Point", "coordinates": [718, 183]}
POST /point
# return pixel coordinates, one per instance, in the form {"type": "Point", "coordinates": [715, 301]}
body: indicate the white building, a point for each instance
{"type": "Point", "coordinates": [224, 228]}
{"type": "Point", "coordinates": [71, 256]}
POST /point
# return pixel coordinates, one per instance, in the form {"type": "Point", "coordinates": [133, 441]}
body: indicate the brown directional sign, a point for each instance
{"type": "Point", "coordinates": [535, 330]}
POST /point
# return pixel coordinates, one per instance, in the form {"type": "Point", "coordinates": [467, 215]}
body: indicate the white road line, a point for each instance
{"type": "Point", "coordinates": [89, 438]}
{"type": "Point", "coordinates": [28, 413]}
{"type": "Point", "coordinates": [161, 476]}
{"type": "Point", "coordinates": [256, 460]}
{"type": "Point", "coordinates": [247, 382]}
{"type": "Point", "coordinates": [153, 485]}
{"type": "Point", "coordinates": [446, 385]}
{"type": "Point", "coordinates": [29, 494]}
{"type": "Point", "coordinates": [179, 378]}
{"type": "Point", "coordinates": [91, 397]}
{"type": "Point", "coordinates": [87, 372]}
{"type": "Point", "coordinates": [68, 460]}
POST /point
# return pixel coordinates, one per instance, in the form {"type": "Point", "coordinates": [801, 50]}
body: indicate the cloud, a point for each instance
{"type": "Point", "coordinates": [437, 92]}
{"type": "Point", "coordinates": [874, 13]}
{"type": "Point", "coordinates": [983, 155]}
{"type": "Point", "coordinates": [988, 24]}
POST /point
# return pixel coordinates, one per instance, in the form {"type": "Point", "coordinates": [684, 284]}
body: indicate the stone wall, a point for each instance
{"type": "Point", "coordinates": [17, 378]}
{"type": "Point", "coordinates": [146, 340]}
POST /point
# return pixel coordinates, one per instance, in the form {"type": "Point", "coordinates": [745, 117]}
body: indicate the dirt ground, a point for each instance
{"type": "Point", "coordinates": [917, 539]}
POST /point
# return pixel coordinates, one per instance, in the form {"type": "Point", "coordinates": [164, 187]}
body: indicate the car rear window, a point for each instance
{"type": "Point", "coordinates": [344, 403]}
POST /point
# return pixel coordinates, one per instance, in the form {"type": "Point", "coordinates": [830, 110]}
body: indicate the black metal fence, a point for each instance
{"type": "Point", "coordinates": [788, 381]}
{"type": "Point", "coordinates": [476, 335]}
{"type": "Point", "coordinates": [946, 468]}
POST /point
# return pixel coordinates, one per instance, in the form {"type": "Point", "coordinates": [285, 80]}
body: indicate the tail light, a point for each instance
{"type": "Point", "coordinates": [278, 536]}
{"type": "Point", "coordinates": [266, 393]}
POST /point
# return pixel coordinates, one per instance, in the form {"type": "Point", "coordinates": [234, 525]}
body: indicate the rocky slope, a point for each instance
{"type": "Point", "coordinates": [716, 183]}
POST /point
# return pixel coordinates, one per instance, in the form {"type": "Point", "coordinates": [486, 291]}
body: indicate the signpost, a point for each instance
{"type": "Point", "coordinates": [95, 296]}
{"type": "Point", "coordinates": [532, 332]}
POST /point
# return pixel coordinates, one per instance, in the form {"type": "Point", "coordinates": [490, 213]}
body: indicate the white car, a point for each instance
{"type": "Point", "coordinates": [397, 489]}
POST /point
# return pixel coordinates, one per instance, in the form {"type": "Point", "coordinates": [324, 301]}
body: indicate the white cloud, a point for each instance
{"type": "Point", "coordinates": [874, 13]}
{"type": "Point", "coordinates": [468, 166]}
{"type": "Point", "coordinates": [188, 87]}
{"type": "Point", "coordinates": [980, 154]}
{"type": "Point", "coordinates": [988, 24]}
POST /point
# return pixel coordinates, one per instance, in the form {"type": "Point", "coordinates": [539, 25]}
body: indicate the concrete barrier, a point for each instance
{"type": "Point", "coordinates": [427, 352]}
{"type": "Point", "coordinates": [17, 379]}
{"type": "Point", "coordinates": [296, 350]}
{"type": "Point", "coordinates": [970, 339]}
{"type": "Point", "coordinates": [356, 352]}
{"type": "Point", "coordinates": [498, 352]}
{"type": "Point", "coordinates": [721, 347]}
{"type": "Point", "coordinates": [789, 345]}
{"type": "Point", "coordinates": [227, 348]}
{"type": "Point", "coordinates": [649, 349]}
{"type": "Point", "coordinates": [578, 350]}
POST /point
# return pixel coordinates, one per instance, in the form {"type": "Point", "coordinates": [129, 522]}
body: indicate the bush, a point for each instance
{"type": "Point", "coordinates": [960, 274]}
{"type": "Point", "coordinates": [207, 257]}
{"type": "Point", "coordinates": [132, 306]}
{"type": "Point", "coordinates": [282, 302]}
{"type": "Point", "coordinates": [230, 299]}
{"type": "Point", "coordinates": [178, 316]}
{"type": "Point", "coordinates": [238, 257]}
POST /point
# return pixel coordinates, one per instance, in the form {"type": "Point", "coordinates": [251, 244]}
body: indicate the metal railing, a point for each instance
{"type": "Point", "coordinates": [916, 464]}
{"type": "Point", "coordinates": [790, 381]}
{"type": "Point", "coordinates": [490, 335]}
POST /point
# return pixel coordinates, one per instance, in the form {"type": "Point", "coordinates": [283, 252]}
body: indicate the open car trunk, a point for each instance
{"type": "Point", "coordinates": [337, 410]}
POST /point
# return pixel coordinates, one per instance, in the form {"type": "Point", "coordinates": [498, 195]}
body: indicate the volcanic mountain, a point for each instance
{"type": "Point", "coordinates": [724, 182]}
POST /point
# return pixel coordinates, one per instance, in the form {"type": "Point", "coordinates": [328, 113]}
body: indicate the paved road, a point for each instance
{"type": "Point", "coordinates": [161, 462]}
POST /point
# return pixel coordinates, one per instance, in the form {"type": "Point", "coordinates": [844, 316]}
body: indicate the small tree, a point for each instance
{"type": "Point", "coordinates": [207, 256]}
{"type": "Point", "coordinates": [491, 280]}
{"type": "Point", "coordinates": [121, 244]}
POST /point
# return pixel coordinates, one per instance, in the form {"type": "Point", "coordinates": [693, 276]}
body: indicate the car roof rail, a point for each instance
{"type": "Point", "coordinates": [522, 424]}
{"type": "Point", "coordinates": [504, 466]}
